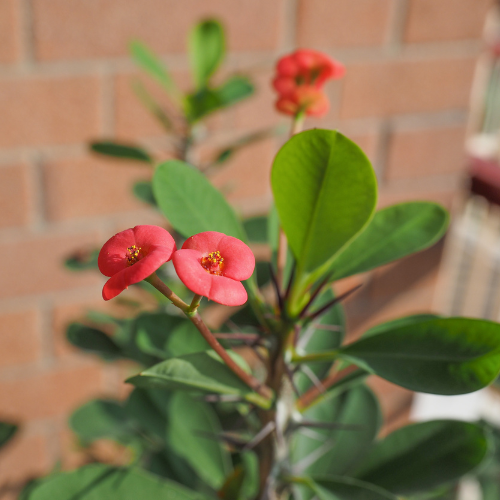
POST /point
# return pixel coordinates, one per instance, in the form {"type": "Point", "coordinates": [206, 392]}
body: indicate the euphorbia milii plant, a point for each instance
{"type": "Point", "coordinates": [270, 401]}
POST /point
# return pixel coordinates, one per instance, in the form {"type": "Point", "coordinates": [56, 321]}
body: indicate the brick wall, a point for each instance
{"type": "Point", "coordinates": [64, 79]}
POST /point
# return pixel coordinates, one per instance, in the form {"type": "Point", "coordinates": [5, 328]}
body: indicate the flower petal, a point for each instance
{"type": "Point", "coordinates": [239, 260]}
{"type": "Point", "coordinates": [217, 288]}
{"type": "Point", "coordinates": [113, 255]}
{"type": "Point", "coordinates": [205, 242]}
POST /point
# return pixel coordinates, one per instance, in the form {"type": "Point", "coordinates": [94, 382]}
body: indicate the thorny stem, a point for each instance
{"type": "Point", "coordinates": [195, 318]}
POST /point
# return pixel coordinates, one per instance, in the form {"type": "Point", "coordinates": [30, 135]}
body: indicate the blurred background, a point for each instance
{"type": "Point", "coordinates": [420, 77]}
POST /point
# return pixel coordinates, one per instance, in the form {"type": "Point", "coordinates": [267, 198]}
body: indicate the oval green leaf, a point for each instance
{"type": "Point", "coordinates": [93, 340]}
{"type": "Point", "coordinates": [192, 432]}
{"type": "Point", "coordinates": [422, 456]}
{"type": "Point", "coordinates": [7, 431]}
{"type": "Point", "coordinates": [98, 482]}
{"type": "Point", "coordinates": [393, 233]}
{"type": "Point", "coordinates": [207, 47]}
{"type": "Point", "coordinates": [342, 448]}
{"type": "Point", "coordinates": [325, 191]}
{"type": "Point", "coordinates": [201, 371]}
{"type": "Point", "coordinates": [441, 356]}
{"type": "Point", "coordinates": [117, 150]}
{"type": "Point", "coordinates": [191, 203]}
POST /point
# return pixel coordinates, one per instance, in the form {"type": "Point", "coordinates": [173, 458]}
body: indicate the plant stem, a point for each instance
{"type": "Point", "coordinates": [195, 303]}
{"type": "Point", "coordinates": [195, 318]}
{"type": "Point", "coordinates": [165, 290]}
{"type": "Point", "coordinates": [249, 379]}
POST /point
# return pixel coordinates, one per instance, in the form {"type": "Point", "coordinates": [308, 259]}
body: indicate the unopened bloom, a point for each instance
{"type": "Point", "coordinates": [212, 264]}
{"type": "Point", "coordinates": [132, 255]}
{"type": "Point", "coordinates": [299, 81]}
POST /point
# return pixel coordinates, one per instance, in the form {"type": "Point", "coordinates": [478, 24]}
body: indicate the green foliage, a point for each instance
{"type": "Point", "coordinates": [393, 233]}
{"type": "Point", "coordinates": [207, 47]}
{"type": "Point", "coordinates": [256, 229]}
{"type": "Point", "coordinates": [422, 456]}
{"type": "Point", "coordinates": [202, 371]}
{"type": "Point", "coordinates": [152, 64]}
{"type": "Point", "coordinates": [100, 419]}
{"type": "Point", "coordinates": [144, 192]}
{"type": "Point", "coordinates": [92, 340]}
{"type": "Point", "coordinates": [337, 451]}
{"type": "Point", "coordinates": [190, 203]}
{"type": "Point", "coordinates": [7, 431]}
{"type": "Point", "coordinates": [123, 151]}
{"type": "Point", "coordinates": [322, 204]}
{"type": "Point", "coordinates": [208, 100]}
{"type": "Point", "coordinates": [399, 322]}
{"type": "Point", "coordinates": [98, 482]}
{"type": "Point", "coordinates": [439, 356]}
{"type": "Point", "coordinates": [192, 432]}
{"type": "Point", "coordinates": [82, 261]}
{"type": "Point", "coordinates": [345, 488]}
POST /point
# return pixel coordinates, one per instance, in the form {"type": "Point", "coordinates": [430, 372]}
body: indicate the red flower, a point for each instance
{"type": "Point", "coordinates": [299, 81]}
{"type": "Point", "coordinates": [312, 100]}
{"type": "Point", "coordinates": [133, 255]}
{"type": "Point", "coordinates": [213, 264]}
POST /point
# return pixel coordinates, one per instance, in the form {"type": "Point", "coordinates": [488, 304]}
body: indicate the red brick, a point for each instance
{"type": "Point", "coordinates": [440, 20]}
{"type": "Point", "coordinates": [393, 399]}
{"type": "Point", "coordinates": [35, 264]}
{"type": "Point", "coordinates": [258, 112]}
{"type": "Point", "coordinates": [420, 153]}
{"type": "Point", "coordinates": [103, 28]}
{"type": "Point", "coordinates": [15, 203]}
{"type": "Point", "coordinates": [19, 338]}
{"type": "Point", "coordinates": [87, 187]}
{"type": "Point", "coordinates": [50, 393]}
{"type": "Point", "coordinates": [25, 457]}
{"type": "Point", "coordinates": [132, 119]}
{"type": "Point", "coordinates": [343, 23]}
{"type": "Point", "coordinates": [42, 111]}
{"type": "Point", "coordinates": [9, 31]}
{"type": "Point", "coordinates": [388, 88]}
{"type": "Point", "coordinates": [247, 176]}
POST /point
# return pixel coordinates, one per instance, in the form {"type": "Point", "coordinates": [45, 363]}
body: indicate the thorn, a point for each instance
{"type": "Point", "coordinates": [330, 328]}
{"type": "Point", "coordinates": [225, 437]}
{"type": "Point", "coordinates": [276, 287]}
{"type": "Point", "coordinates": [262, 434]}
{"type": "Point", "coordinates": [330, 304]}
{"type": "Point", "coordinates": [327, 425]}
{"type": "Point", "coordinates": [290, 374]}
{"type": "Point", "coordinates": [312, 377]}
{"type": "Point", "coordinates": [224, 398]}
{"type": "Point", "coordinates": [315, 294]}
{"type": "Point", "coordinates": [245, 337]}
{"type": "Point", "coordinates": [290, 282]}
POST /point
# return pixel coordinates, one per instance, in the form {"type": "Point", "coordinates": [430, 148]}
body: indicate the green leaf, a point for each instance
{"type": "Point", "coordinates": [144, 192]}
{"type": "Point", "coordinates": [117, 150]}
{"type": "Point", "coordinates": [346, 488]}
{"type": "Point", "coordinates": [207, 47]}
{"type": "Point", "coordinates": [92, 340]}
{"type": "Point", "coordinates": [231, 489]}
{"type": "Point", "coordinates": [256, 229]}
{"type": "Point", "coordinates": [82, 261]}
{"type": "Point", "coordinates": [422, 456]}
{"type": "Point", "coordinates": [202, 371]}
{"type": "Point", "coordinates": [393, 233]}
{"type": "Point", "coordinates": [209, 100]}
{"type": "Point", "coordinates": [191, 203]}
{"type": "Point", "coordinates": [342, 448]}
{"type": "Point", "coordinates": [152, 64]}
{"type": "Point", "coordinates": [440, 356]}
{"type": "Point", "coordinates": [150, 103]}
{"type": "Point", "coordinates": [396, 323]}
{"type": "Point", "coordinates": [325, 192]}
{"type": "Point", "coordinates": [7, 432]}
{"type": "Point", "coordinates": [98, 482]}
{"type": "Point", "coordinates": [192, 430]}
{"type": "Point", "coordinates": [100, 419]}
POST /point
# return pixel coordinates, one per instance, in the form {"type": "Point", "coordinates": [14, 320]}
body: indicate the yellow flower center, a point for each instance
{"type": "Point", "coordinates": [133, 255]}
{"type": "Point", "coordinates": [213, 263]}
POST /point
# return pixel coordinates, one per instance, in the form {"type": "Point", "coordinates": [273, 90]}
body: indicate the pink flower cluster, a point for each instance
{"type": "Point", "coordinates": [299, 81]}
{"type": "Point", "coordinates": [210, 264]}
